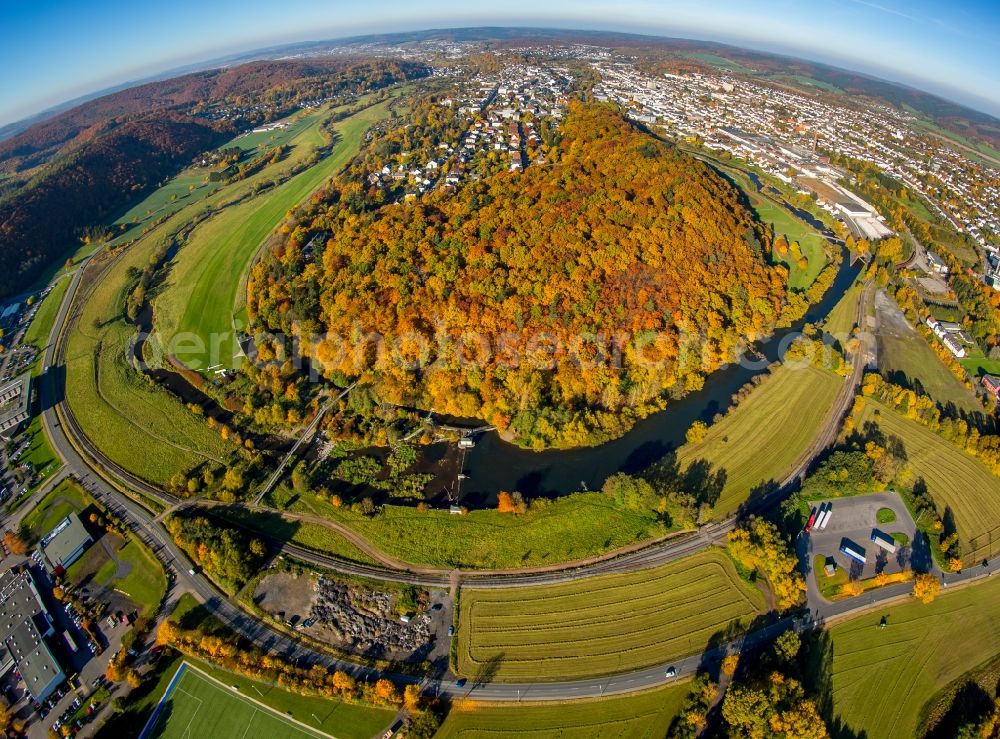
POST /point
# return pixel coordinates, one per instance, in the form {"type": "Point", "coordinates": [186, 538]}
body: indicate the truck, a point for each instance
{"type": "Point", "coordinates": [811, 521]}
{"type": "Point", "coordinates": [70, 642]}
{"type": "Point", "coordinates": [884, 541]}
{"type": "Point", "coordinates": [821, 524]}
{"type": "Point", "coordinates": [853, 551]}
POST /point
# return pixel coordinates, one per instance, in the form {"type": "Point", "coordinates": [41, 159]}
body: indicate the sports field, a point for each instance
{"type": "Point", "coordinates": [639, 716]}
{"type": "Point", "coordinates": [602, 625]}
{"type": "Point", "coordinates": [763, 436]}
{"type": "Point", "coordinates": [196, 705]}
{"type": "Point", "coordinates": [208, 272]}
{"type": "Point", "coordinates": [955, 479]}
{"type": "Point", "coordinates": [881, 678]}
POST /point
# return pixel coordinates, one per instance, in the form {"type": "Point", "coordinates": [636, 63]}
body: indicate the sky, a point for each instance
{"type": "Point", "coordinates": [54, 50]}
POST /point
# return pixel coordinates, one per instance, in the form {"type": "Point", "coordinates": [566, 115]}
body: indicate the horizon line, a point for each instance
{"type": "Point", "coordinates": [246, 55]}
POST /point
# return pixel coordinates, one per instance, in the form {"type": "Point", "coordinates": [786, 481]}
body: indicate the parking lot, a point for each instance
{"type": "Point", "coordinates": [83, 667]}
{"type": "Point", "coordinates": [852, 522]}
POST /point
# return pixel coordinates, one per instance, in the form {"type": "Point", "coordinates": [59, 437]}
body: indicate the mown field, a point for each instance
{"type": "Point", "coordinates": [641, 716]}
{"type": "Point", "coordinates": [955, 479]}
{"type": "Point", "coordinates": [186, 188]}
{"type": "Point", "coordinates": [881, 678]}
{"type": "Point", "coordinates": [981, 366]}
{"type": "Point", "coordinates": [781, 221]}
{"type": "Point", "coordinates": [602, 625]}
{"type": "Point", "coordinates": [762, 437]}
{"type": "Point", "coordinates": [570, 528]}
{"type": "Point", "coordinates": [207, 273]}
{"type": "Point", "coordinates": [143, 580]}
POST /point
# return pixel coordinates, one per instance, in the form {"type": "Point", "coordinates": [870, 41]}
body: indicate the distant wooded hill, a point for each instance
{"type": "Point", "coordinates": [81, 167]}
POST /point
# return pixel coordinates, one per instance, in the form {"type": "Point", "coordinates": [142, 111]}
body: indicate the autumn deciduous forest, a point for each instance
{"type": "Point", "coordinates": [618, 236]}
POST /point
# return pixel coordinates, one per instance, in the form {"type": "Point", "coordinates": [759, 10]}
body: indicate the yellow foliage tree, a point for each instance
{"type": "Point", "coordinates": [926, 587]}
{"type": "Point", "coordinates": [729, 664]}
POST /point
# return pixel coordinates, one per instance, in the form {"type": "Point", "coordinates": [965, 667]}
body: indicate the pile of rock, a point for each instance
{"type": "Point", "coordinates": [366, 619]}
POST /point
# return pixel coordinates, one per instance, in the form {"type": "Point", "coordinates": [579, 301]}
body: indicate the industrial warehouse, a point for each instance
{"type": "Point", "coordinates": [25, 623]}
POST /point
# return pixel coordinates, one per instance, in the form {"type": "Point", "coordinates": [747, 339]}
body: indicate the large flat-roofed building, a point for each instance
{"type": "Point", "coordinates": [62, 546]}
{"type": "Point", "coordinates": [15, 404]}
{"type": "Point", "coordinates": [24, 625]}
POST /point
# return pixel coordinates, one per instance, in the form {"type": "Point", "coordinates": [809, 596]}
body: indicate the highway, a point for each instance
{"type": "Point", "coordinates": [101, 478]}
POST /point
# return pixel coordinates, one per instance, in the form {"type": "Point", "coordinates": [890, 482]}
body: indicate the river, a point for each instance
{"type": "Point", "coordinates": [495, 465]}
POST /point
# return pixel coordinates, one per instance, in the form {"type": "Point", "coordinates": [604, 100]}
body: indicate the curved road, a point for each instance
{"type": "Point", "coordinates": [98, 474]}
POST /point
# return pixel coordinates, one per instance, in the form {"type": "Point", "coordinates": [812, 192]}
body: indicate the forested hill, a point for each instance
{"type": "Point", "coordinates": [268, 82]}
{"type": "Point", "coordinates": [105, 154]}
{"type": "Point", "coordinates": [39, 224]}
{"type": "Point", "coordinates": [620, 236]}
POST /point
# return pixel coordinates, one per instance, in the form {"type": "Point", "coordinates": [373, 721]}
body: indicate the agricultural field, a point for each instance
{"type": "Point", "coordinates": [882, 678]}
{"type": "Point", "coordinates": [569, 528]}
{"type": "Point", "coordinates": [720, 61]}
{"type": "Point", "coordinates": [223, 705]}
{"type": "Point", "coordinates": [207, 274]}
{"type": "Point", "coordinates": [137, 424]}
{"type": "Point", "coordinates": [642, 715]}
{"type": "Point", "coordinates": [295, 124]}
{"type": "Point", "coordinates": [955, 480]}
{"type": "Point", "coordinates": [38, 332]}
{"type": "Point", "coordinates": [603, 625]}
{"type": "Point", "coordinates": [782, 415]}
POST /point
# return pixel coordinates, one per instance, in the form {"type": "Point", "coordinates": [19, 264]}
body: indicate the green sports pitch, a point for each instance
{"type": "Point", "coordinates": [196, 705]}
